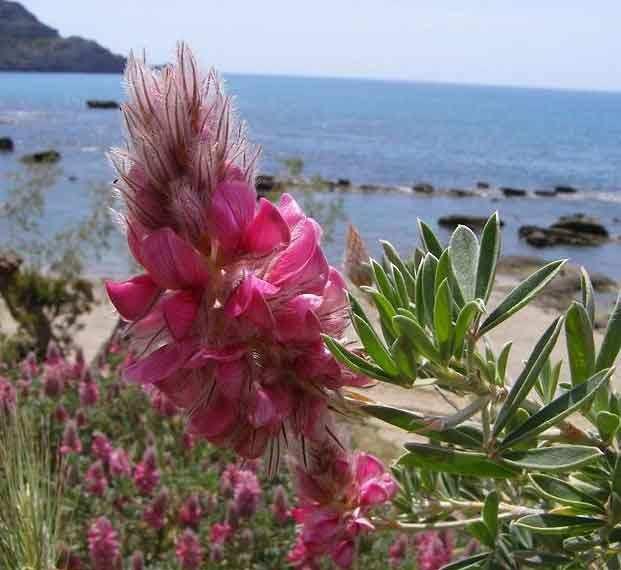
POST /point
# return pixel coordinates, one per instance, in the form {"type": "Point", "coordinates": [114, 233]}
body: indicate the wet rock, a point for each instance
{"type": "Point", "coordinates": [102, 104]}
{"type": "Point", "coordinates": [460, 193]}
{"type": "Point", "coordinates": [6, 144]}
{"type": "Point", "coordinates": [578, 230]}
{"type": "Point", "coordinates": [475, 223]}
{"type": "Point", "coordinates": [423, 188]}
{"type": "Point", "coordinates": [564, 189]}
{"type": "Point", "coordinates": [343, 182]}
{"type": "Point", "coordinates": [44, 157]}
{"type": "Point", "coordinates": [72, 178]}
{"type": "Point", "coordinates": [513, 192]}
{"type": "Point", "coordinates": [582, 223]}
{"type": "Point", "coordinates": [483, 185]}
{"type": "Point", "coordinates": [546, 193]}
{"type": "Point", "coordinates": [265, 183]}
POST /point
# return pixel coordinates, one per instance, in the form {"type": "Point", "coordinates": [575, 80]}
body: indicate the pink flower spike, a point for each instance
{"type": "Point", "coordinates": [232, 210]}
{"type": "Point", "coordinates": [267, 231]}
{"type": "Point", "coordinates": [172, 262]}
{"type": "Point", "coordinates": [189, 551]}
{"type": "Point", "coordinates": [220, 533]}
{"type": "Point", "coordinates": [132, 298]}
{"type": "Point", "coordinates": [103, 544]}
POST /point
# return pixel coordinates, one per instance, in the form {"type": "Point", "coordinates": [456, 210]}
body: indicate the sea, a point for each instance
{"type": "Point", "coordinates": [370, 132]}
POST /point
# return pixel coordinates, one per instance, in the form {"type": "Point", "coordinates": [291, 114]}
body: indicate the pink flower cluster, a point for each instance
{"type": "Point", "coordinates": [227, 317]}
{"type": "Point", "coordinates": [434, 549]}
{"type": "Point", "coordinates": [336, 492]}
{"type": "Point", "coordinates": [103, 545]}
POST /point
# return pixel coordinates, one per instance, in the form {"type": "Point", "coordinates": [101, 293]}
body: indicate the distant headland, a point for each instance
{"type": "Point", "coordinates": [26, 44]}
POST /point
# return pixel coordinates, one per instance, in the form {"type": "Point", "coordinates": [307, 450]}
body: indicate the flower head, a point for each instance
{"type": "Point", "coordinates": [101, 447]}
{"type": "Point", "coordinates": [191, 512]}
{"type": "Point", "coordinates": [95, 479]}
{"type": "Point", "coordinates": [88, 390]}
{"type": "Point", "coordinates": [228, 314]}
{"type": "Point", "coordinates": [188, 550]}
{"type": "Point", "coordinates": [220, 533]}
{"type": "Point", "coordinates": [246, 494]}
{"type": "Point", "coordinates": [397, 551]}
{"type": "Point", "coordinates": [71, 440]}
{"type": "Point", "coordinates": [103, 544]}
{"type": "Point", "coordinates": [119, 463]}
{"type": "Point", "coordinates": [280, 505]}
{"type": "Point", "coordinates": [433, 549]}
{"type": "Point", "coordinates": [155, 513]}
{"type": "Point", "coordinates": [8, 396]}
{"type": "Point", "coordinates": [146, 473]}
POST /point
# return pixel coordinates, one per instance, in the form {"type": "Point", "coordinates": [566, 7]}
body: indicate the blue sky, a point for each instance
{"type": "Point", "coordinates": [543, 43]}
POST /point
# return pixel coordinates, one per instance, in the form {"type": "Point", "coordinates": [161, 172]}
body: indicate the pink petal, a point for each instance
{"type": "Point", "coordinates": [214, 419]}
{"type": "Point", "coordinates": [172, 262]}
{"type": "Point", "coordinates": [343, 554]}
{"type": "Point", "coordinates": [267, 230]}
{"type": "Point", "coordinates": [230, 378]}
{"type": "Point", "coordinates": [184, 388]}
{"type": "Point", "coordinates": [180, 312]}
{"type": "Point", "coordinates": [373, 493]}
{"type": "Point", "coordinates": [321, 525]}
{"type": "Point", "coordinates": [159, 364]}
{"type": "Point", "coordinates": [249, 299]}
{"type": "Point", "coordinates": [224, 354]}
{"type": "Point", "coordinates": [302, 266]}
{"type": "Point", "coordinates": [290, 211]}
{"type": "Point", "coordinates": [368, 466]}
{"type": "Point", "coordinates": [132, 298]}
{"type": "Point", "coordinates": [232, 209]}
{"type": "Point", "coordinates": [262, 411]}
{"type": "Point", "coordinates": [252, 443]}
{"type": "Point", "coordinates": [296, 319]}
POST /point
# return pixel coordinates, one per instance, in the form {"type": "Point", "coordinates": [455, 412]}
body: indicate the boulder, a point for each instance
{"type": "Point", "coordinates": [483, 185]}
{"type": "Point", "coordinates": [343, 182]}
{"type": "Point", "coordinates": [578, 230]}
{"type": "Point", "coordinates": [583, 224]}
{"type": "Point", "coordinates": [265, 183]}
{"type": "Point", "coordinates": [545, 193]}
{"type": "Point", "coordinates": [6, 144]}
{"type": "Point", "coordinates": [423, 188]}
{"type": "Point", "coordinates": [513, 192]}
{"type": "Point", "coordinates": [102, 104]}
{"type": "Point", "coordinates": [43, 157]}
{"type": "Point", "coordinates": [564, 189]}
{"type": "Point", "coordinates": [475, 223]}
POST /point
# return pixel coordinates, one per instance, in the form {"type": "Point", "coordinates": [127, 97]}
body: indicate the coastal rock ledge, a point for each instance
{"type": "Point", "coordinates": [26, 44]}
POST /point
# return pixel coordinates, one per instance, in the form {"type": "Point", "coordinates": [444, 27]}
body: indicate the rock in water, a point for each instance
{"type": "Point", "coordinates": [343, 182]}
{"type": "Point", "coordinates": [578, 230]}
{"type": "Point", "coordinates": [423, 188]}
{"type": "Point", "coordinates": [6, 144]}
{"type": "Point", "coordinates": [513, 192]}
{"type": "Point", "coordinates": [101, 104]}
{"type": "Point", "coordinates": [43, 157]}
{"type": "Point", "coordinates": [26, 44]}
{"type": "Point", "coordinates": [564, 189]}
{"type": "Point", "coordinates": [483, 185]}
{"type": "Point", "coordinates": [475, 223]}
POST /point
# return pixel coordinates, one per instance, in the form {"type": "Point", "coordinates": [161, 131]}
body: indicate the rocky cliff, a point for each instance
{"type": "Point", "coordinates": [26, 44]}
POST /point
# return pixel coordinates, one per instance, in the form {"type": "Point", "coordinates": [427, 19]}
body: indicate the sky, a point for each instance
{"type": "Point", "coordinates": [535, 43]}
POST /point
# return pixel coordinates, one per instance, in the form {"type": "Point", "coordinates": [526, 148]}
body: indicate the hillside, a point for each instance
{"type": "Point", "coordinates": [26, 44]}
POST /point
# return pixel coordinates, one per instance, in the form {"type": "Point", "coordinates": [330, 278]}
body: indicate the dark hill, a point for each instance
{"type": "Point", "coordinates": [26, 44]}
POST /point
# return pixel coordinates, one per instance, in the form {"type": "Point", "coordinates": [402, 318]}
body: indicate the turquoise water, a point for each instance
{"type": "Point", "coordinates": [368, 131]}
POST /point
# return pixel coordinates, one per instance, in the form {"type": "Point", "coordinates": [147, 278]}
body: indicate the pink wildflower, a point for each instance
{"type": "Point", "coordinates": [155, 513]}
{"type": "Point", "coordinates": [189, 551]}
{"type": "Point", "coordinates": [146, 473]}
{"type": "Point", "coordinates": [101, 447]}
{"type": "Point", "coordinates": [216, 553]}
{"type": "Point", "coordinates": [246, 494]}
{"type": "Point", "coordinates": [119, 463]}
{"type": "Point", "coordinates": [336, 492]}
{"type": "Point", "coordinates": [220, 533]}
{"type": "Point", "coordinates": [103, 544]}
{"type": "Point", "coordinates": [52, 354]}
{"type": "Point", "coordinates": [53, 382]}
{"type": "Point", "coordinates": [188, 440]}
{"type": "Point", "coordinates": [81, 418]}
{"type": "Point", "coordinates": [60, 414]}
{"type": "Point", "coordinates": [71, 440]}
{"type": "Point", "coordinates": [95, 479]}
{"type": "Point", "coordinates": [397, 551]}
{"type": "Point", "coordinates": [228, 479]}
{"type": "Point", "coordinates": [8, 397]}
{"type": "Point", "coordinates": [137, 561]}
{"type": "Point", "coordinates": [162, 404]}
{"type": "Point", "coordinates": [191, 512]}
{"type": "Point", "coordinates": [280, 505]}
{"type": "Point", "coordinates": [433, 549]}
{"type": "Point", "coordinates": [23, 386]}
{"type": "Point", "coordinates": [29, 366]}
{"type": "Point", "coordinates": [89, 391]}
{"type": "Point", "coordinates": [235, 293]}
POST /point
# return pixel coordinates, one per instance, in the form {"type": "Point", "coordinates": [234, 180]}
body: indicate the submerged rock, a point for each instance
{"type": "Point", "coordinates": [513, 192]}
{"type": "Point", "coordinates": [564, 189]}
{"type": "Point", "coordinates": [42, 157]}
{"type": "Point", "coordinates": [578, 230]}
{"type": "Point", "coordinates": [6, 144]}
{"type": "Point", "coordinates": [102, 104]}
{"type": "Point", "coordinates": [475, 223]}
{"type": "Point", "coordinates": [423, 188]}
